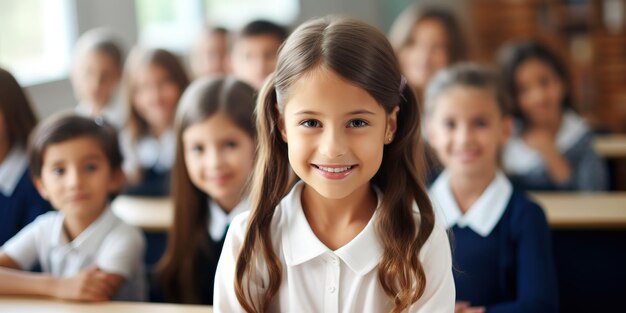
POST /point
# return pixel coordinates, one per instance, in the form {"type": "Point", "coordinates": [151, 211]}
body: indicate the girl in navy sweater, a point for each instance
{"type": "Point", "coordinates": [20, 202]}
{"type": "Point", "coordinates": [214, 156]}
{"type": "Point", "coordinates": [501, 240]}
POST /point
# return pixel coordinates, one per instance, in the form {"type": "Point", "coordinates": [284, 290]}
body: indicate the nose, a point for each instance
{"type": "Point", "coordinates": [464, 135]}
{"type": "Point", "coordinates": [73, 178]}
{"type": "Point", "coordinates": [212, 158]}
{"type": "Point", "coordinates": [333, 143]}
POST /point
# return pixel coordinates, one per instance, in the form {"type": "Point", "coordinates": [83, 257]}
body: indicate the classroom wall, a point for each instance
{"type": "Point", "coordinates": [120, 15]}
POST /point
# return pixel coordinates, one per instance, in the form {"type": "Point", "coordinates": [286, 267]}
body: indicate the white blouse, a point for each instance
{"type": "Point", "coordinates": [318, 279]}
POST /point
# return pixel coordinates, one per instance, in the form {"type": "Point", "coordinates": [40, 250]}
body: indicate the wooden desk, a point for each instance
{"type": "Point", "coordinates": [611, 146]}
{"type": "Point", "coordinates": [147, 213]}
{"type": "Point", "coordinates": [574, 210]}
{"type": "Point", "coordinates": [39, 305]}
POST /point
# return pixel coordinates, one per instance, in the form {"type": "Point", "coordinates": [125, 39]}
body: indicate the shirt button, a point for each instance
{"type": "Point", "coordinates": [331, 289]}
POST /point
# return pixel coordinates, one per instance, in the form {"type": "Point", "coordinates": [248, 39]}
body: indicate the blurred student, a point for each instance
{"type": "Point", "coordinates": [210, 54]}
{"type": "Point", "coordinates": [552, 146]}
{"type": "Point", "coordinates": [20, 203]}
{"type": "Point", "coordinates": [155, 80]}
{"type": "Point", "coordinates": [255, 51]}
{"type": "Point", "coordinates": [500, 238]}
{"type": "Point", "coordinates": [426, 40]}
{"type": "Point", "coordinates": [85, 252]}
{"type": "Point", "coordinates": [96, 74]}
{"type": "Point", "coordinates": [215, 152]}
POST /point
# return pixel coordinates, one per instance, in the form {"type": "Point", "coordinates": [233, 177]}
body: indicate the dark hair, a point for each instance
{"type": "Point", "coordinates": [469, 75]}
{"type": "Point", "coordinates": [140, 58]}
{"type": "Point", "coordinates": [514, 54]}
{"type": "Point", "coordinates": [362, 55]}
{"type": "Point", "coordinates": [102, 41]}
{"type": "Point", "coordinates": [187, 241]}
{"type": "Point", "coordinates": [63, 127]}
{"type": "Point", "coordinates": [19, 116]}
{"type": "Point", "coordinates": [402, 29]}
{"type": "Point", "coordinates": [263, 27]}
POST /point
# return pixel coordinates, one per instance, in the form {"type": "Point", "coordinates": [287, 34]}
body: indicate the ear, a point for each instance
{"type": "Point", "coordinates": [117, 180]}
{"type": "Point", "coordinates": [507, 129]}
{"type": "Point", "coordinates": [281, 127]}
{"type": "Point", "coordinates": [41, 188]}
{"type": "Point", "coordinates": [392, 125]}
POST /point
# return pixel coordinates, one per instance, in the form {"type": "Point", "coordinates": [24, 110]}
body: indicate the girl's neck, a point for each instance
{"type": "Point", "coordinates": [467, 189]}
{"type": "Point", "coordinates": [227, 205]}
{"type": "Point", "coordinates": [75, 224]}
{"type": "Point", "coordinates": [4, 149]}
{"type": "Point", "coordinates": [337, 221]}
{"type": "Point", "coordinates": [158, 130]}
{"type": "Point", "coordinates": [553, 125]}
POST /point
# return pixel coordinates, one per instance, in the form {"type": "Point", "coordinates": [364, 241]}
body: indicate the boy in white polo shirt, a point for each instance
{"type": "Point", "coordinates": [86, 253]}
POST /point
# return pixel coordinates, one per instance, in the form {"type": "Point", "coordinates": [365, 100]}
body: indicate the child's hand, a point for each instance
{"type": "Point", "coordinates": [464, 307]}
{"type": "Point", "coordinates": [89, 285]}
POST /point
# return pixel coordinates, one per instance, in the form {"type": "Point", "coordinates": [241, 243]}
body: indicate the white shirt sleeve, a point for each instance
{"type": "Point", "coordinates": [22, 248]}
{"type": "Point", "coordinates": [224, 297]}
{"type": "Point", "coordinates": [439, 295]}
{"type": "Point", "coordinates": [122, 251]}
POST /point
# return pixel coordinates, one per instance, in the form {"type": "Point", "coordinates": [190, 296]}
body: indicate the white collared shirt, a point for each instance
{"type": "Point", "coordinates": [149, 152]}
{"type": "Point", "coordinates": [519, 158]}
{"type": "Point", "coordinates": [109, 243]}
{"type": "Point", "coordinates": [219, 219]}
{"type": "Point", "coordinates": [318, 279]}
{"type": "Point", "coordinates": [483, 215]}
{"type": "Point", "coordinates": [114, 112]}
{"type": "Point", "coordinates": [11, 170]}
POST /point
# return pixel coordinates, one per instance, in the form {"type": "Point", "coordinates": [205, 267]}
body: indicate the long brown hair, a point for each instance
{"type": "Point", "coordinates": [19, 117]}
{"type": "Point", "coordinates": [138, 59]}
{"type": "Point", "coordinates": [188, 237]}
{"type": "Point", "coordinates": [361, 54]}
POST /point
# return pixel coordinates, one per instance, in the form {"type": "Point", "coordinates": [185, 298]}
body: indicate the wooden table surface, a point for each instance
{"type": "Point", "coordinates": [583, 210]}
{"type": "Point", "coordinates": [610, 146]}
{"type": "Point", "coordinates": [563, 209]}
{"type": "Point", "coordinates": [10, 304]}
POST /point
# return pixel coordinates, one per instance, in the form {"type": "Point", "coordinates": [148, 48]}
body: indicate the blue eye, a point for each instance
{"type": "Point", "coordinates": [310, 123]}
{"type": "Point", "coordinates": [357, 123]}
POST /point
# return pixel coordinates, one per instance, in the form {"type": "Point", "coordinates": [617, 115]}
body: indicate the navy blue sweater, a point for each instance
{"type": "Point", "coordinates": [21, 208]}
{"type": "Point", "coordinates": [512, 269]}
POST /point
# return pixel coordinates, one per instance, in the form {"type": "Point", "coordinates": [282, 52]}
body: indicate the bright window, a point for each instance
{"type": "Point", "coordinates": [235, 14]}
{"type": "Point", "coordinates": [36, 39]}
{"type": "Point", "coordinates": [169, 24]}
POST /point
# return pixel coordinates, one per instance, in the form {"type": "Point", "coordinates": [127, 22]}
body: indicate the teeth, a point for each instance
{"type": "Point", "coordinates": [334, 169]}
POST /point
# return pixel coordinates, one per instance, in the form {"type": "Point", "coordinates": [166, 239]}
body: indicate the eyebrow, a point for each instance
{"type": "Point", "coordinates": [357, 112]}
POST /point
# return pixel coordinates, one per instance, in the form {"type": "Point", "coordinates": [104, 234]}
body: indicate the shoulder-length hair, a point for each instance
{"type": "Point", "coordinates": [178, 269]}
{"type": "Point", "coordinates": [362, 55]}
{"type": "Point", "coordinates": [19, 117]}
{"type": "Point", "coordinates": [140, 58]}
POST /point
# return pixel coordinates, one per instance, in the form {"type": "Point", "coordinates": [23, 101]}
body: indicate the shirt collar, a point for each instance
{"type": "Point", "coordinates": [300, 244]}
{"type": "Point", "coordinates": [11, 170]}
{"type": "Point", "coordinates": [92, 236]}
{"type": "Point", "coordinates": [483, 216]}
{"type": "Point", "coordinates": [157, 153]}
{"type": "Point", "coordinates": [219, 220]}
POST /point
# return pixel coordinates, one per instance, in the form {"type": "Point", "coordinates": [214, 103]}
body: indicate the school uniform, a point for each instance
{"type": "Point", "coordinates": [527, 170]}
{"type": "Point", "coordinates": [501, 247]}
{"type": "Point", "coordinates": [114, 112]}
{"type": "Point", "coordinates": [218, 222]}
{"type": "Point", "coordinates": [108, 243]}
{"type": "Point", "coordinates": [318, 279]}
{"type": "Point", "coordinates": [154, 157]}
{"type": "Point", "coordinates": [20, 203]}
